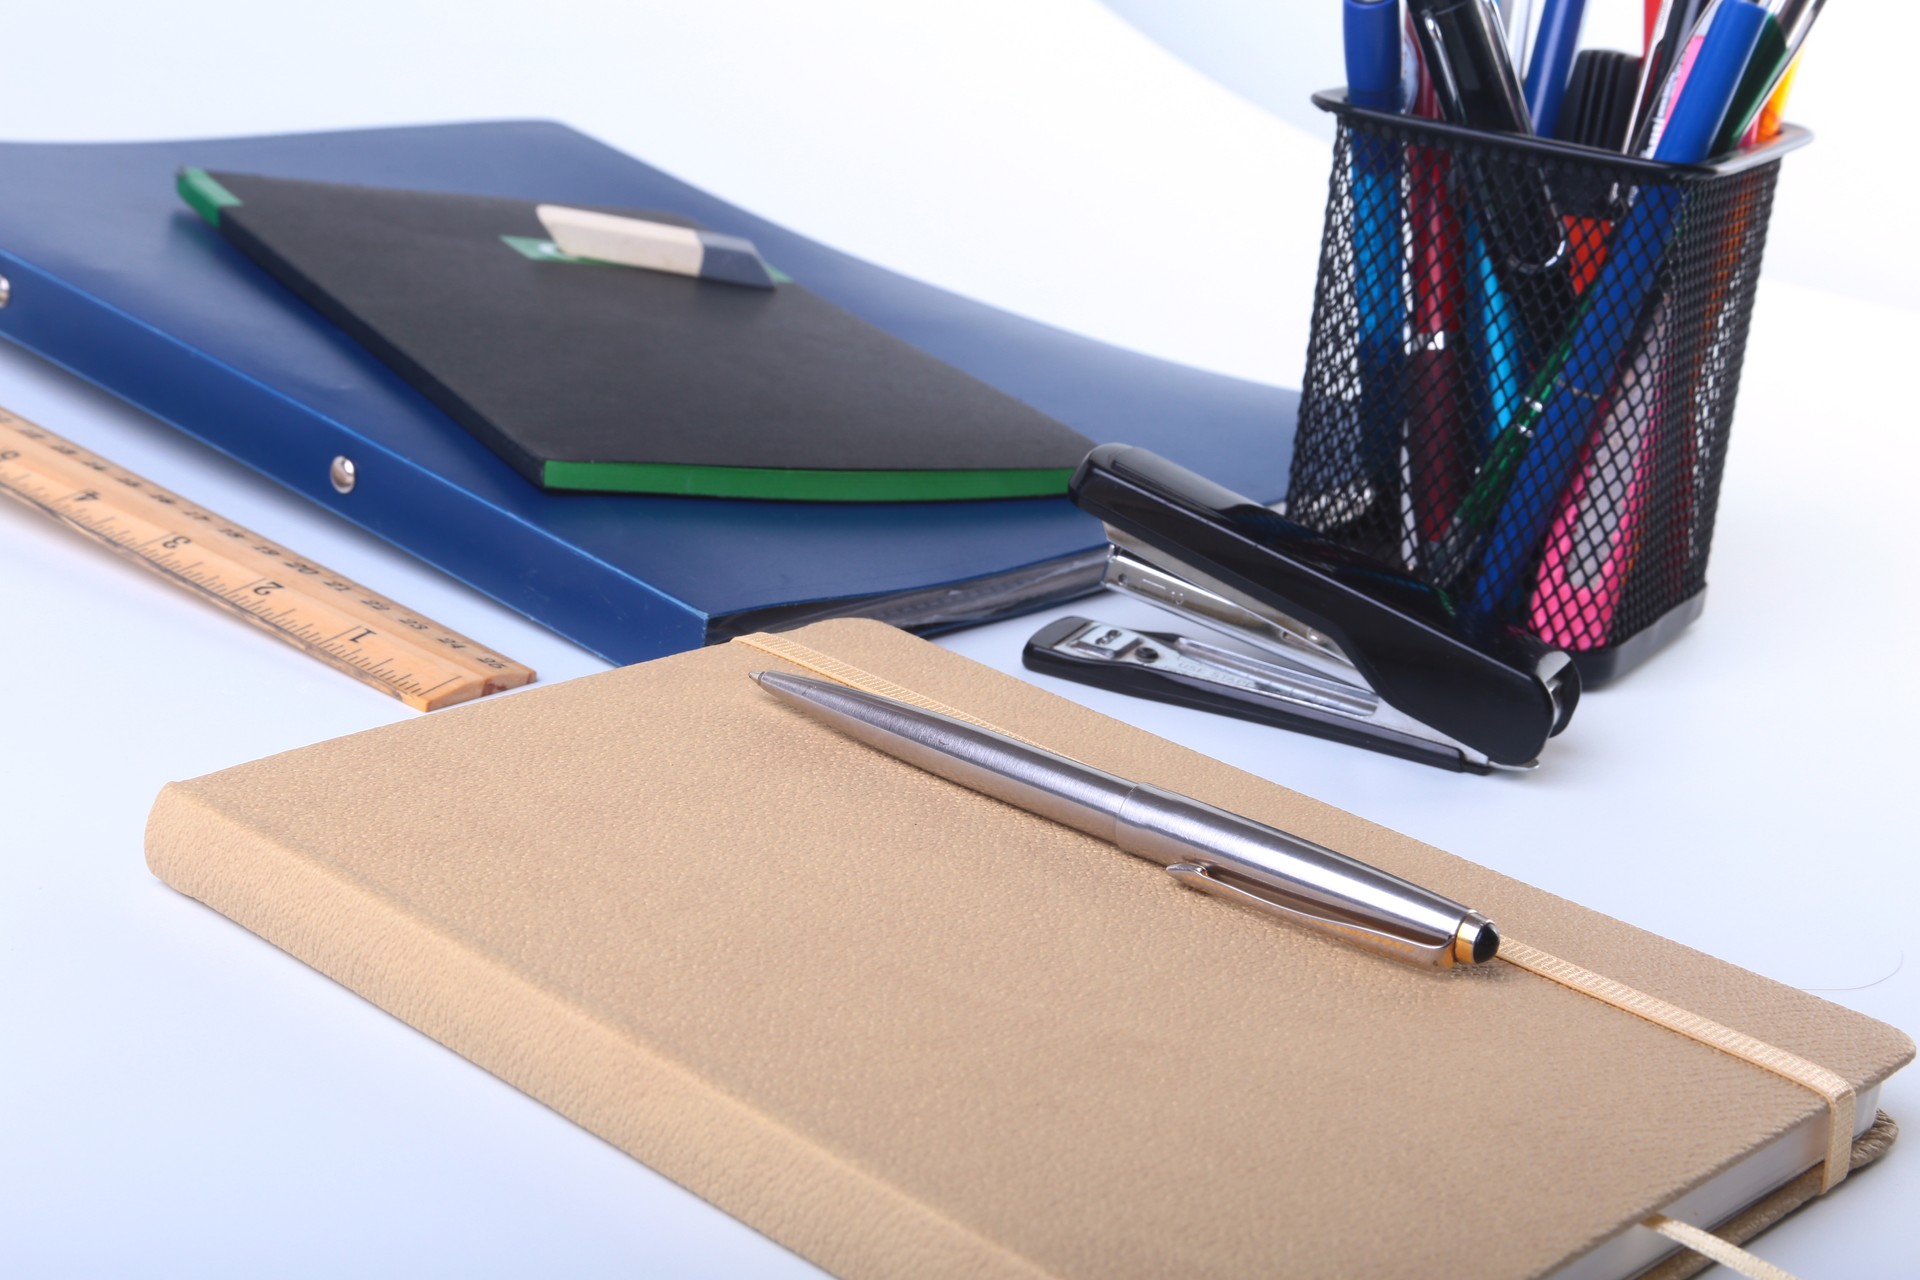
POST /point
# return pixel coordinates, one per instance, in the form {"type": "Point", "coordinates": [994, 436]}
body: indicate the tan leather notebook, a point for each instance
{"type": "Point", "coordinates": [907, 1030]}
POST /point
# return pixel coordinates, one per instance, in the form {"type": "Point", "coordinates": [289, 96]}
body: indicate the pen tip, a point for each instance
{"type": "Point", "coordinates": [782, 684]}
{"type": "Point", "coordinates": [1475, 940]}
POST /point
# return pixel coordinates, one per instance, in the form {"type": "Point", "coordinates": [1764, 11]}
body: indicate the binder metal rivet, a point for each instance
{"type": "Point", "coordinates": [343, 474]}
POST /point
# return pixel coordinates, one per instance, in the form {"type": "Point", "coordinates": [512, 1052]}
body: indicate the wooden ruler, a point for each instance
{"type": "Point", "coordinates": [334, 619]}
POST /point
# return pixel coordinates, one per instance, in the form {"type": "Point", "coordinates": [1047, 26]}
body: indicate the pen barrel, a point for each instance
{"type": "Point", "coordinates": [1204, 846]}
{"type": "Point", "coordinates": [1007, 769]}
{"type": "Point", "coordinates": [1304, 882]}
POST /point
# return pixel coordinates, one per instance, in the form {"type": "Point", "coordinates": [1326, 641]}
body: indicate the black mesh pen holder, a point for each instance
{"type": "Point", "coordinates": [1521, 377]}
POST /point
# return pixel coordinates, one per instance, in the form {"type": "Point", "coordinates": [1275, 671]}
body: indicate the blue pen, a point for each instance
{"type": "Point", "coordinates": [1611, 315]}
{"type": "Point", "coordinates": [1709, 91]}
{"type": "Point", "coordinates": [1373, 46]}
{"type": "Point", "coordinates": [1552, 62]}
{"type": "Point", "coordinates": [1494, 336]}
{"type": "Point", "coordinates": [1372, 30]}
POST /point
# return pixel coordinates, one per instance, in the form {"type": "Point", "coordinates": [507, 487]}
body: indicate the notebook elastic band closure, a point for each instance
{"type": "Point", "coordinates": [1835, 1090]}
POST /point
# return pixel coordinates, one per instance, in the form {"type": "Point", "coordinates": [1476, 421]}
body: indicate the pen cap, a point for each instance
{"type": "Point", "coordinates": [1539, 439]}
{"type": "Point", "coordinates": [1464, 45]}
{"type": "Point", "coordinates": [1372, 30]}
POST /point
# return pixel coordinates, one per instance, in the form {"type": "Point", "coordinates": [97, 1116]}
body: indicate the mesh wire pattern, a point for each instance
{"type": "Point", "coordinates": [1521, 376]}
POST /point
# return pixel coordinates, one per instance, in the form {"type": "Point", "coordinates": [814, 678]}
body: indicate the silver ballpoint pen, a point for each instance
{"type": "Point", "coordinates": [1202, 846]}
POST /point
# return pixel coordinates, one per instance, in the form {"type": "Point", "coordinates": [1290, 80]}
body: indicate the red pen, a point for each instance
{"type": "Point", "coordinates": [1436, 403]}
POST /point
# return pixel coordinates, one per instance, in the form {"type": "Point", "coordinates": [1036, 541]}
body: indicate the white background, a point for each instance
{"type": "Point", "coordinates": [177, 1097]}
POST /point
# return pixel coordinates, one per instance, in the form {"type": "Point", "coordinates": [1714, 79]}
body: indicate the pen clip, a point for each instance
{"type": "Point", "coordinates": [1432, 951]}
{"type": "Point", "coordinates": [1440, 69]}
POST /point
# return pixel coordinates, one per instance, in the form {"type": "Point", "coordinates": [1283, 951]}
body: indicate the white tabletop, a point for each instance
{"type": "Point", "coordinates": [178, 1096]}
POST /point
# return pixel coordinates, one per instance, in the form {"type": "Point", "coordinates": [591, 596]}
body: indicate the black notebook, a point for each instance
{"type": "Point", "coordinates": [591, 376]}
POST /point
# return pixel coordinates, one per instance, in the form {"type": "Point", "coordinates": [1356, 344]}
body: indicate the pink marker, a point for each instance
{"type": "Point", "coordinates": [1594, 538]}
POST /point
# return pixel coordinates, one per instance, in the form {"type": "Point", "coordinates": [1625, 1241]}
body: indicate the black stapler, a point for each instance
{"type": "Point", "coordinates": [1314, 636]}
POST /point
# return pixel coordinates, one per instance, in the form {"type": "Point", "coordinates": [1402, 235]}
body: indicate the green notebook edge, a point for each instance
{"type": "Point", "coordinates": [808, 486]}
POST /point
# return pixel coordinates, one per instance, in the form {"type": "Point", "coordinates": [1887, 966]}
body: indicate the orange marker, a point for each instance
{"type": "Point", "coordinates": [1768, 124]}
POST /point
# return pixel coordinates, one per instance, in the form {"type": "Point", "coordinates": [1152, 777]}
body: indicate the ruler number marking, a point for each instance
{"type": "Point", "coordinates": [58, 477]}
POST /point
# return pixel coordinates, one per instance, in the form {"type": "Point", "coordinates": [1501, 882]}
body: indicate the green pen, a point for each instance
{"type": "Point", "coordinates": [1780, 39]}
{"type": "Point", "coordinates": [1490, 482]}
